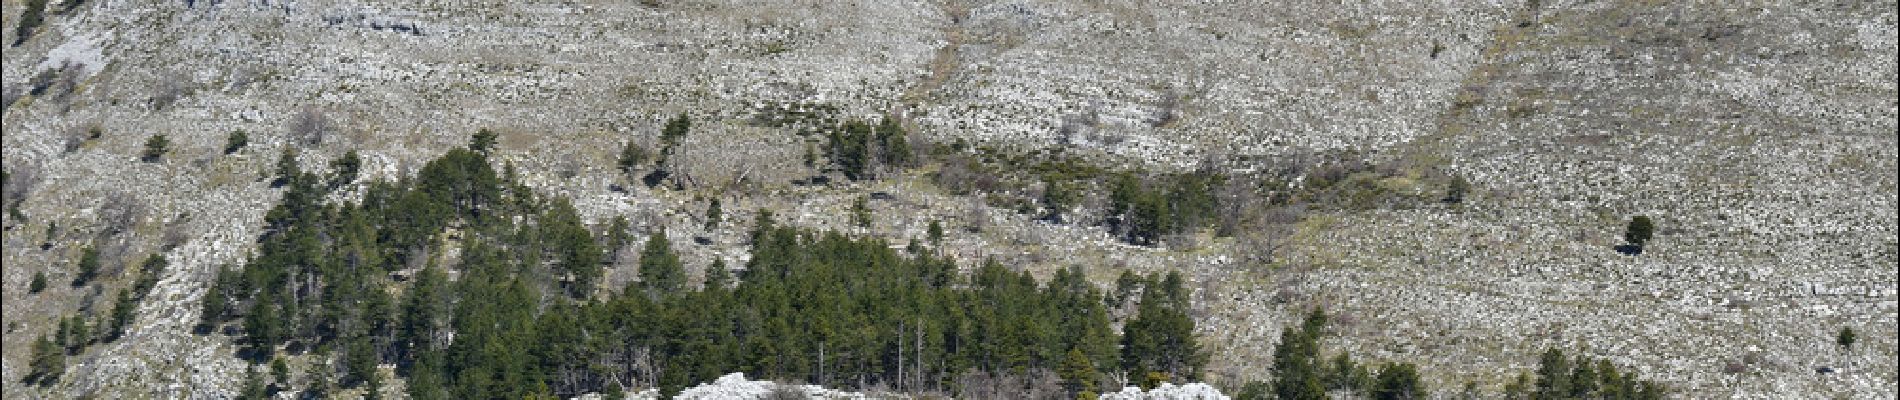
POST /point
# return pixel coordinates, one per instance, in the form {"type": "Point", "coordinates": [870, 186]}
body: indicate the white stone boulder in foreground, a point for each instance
{"type": "Point", "coordinates": [1168, 391]}
{"type": "Point", "coordinates": [734, 386]}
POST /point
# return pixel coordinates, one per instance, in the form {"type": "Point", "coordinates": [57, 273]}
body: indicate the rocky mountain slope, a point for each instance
{"type": "Point", "coordinates": [1760, 134]}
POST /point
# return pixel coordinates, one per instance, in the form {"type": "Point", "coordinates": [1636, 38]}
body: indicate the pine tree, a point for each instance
{"type": "Point", "coordinates": [1518, 389]}
{"type": "Point", "coordinates": [1553, 375]}
{"type": "Point", "coordinates": [1161, 336]}
{"type": "Point", "coordinates": [935, 233]}
{"type": "Point", "coordinates": [1583, 377]}
{"type": "Point", "coordinates": [88, 266]}
{"type": "Point", "coordinates": [1254, 390]}
{"type": "Point", "coordinates": [1845, 338]}
{"type": "Point", "coordinates": [254, 388]}
{"type": "Point", "coordinates": [122, 314]}
{"type": "Point", "coordinates": [660, 269]}
{"type": "Point", "coordinates": [64, 335]}
{"type": "Point", "coordinates": [1295, 370]}
{"type": "Point", "coordinates": [851, 149]}
{"type": "Point", "coordinates": [674, 131]}
{"type": "Point", "coordinates": [217, 300]}
{"type": "Point", "coordinates": [47, 363]}
{"type": "Point", "coordinates": [359, 361]}
{"type": "Point", "coordinates": [894, 142]}
{"type": "Point", "coordinates": [149, 272]}
{"type": "Point", "coordinates": [576, 253]}
{"type": "Point", "coordinates": [483, 141]}
{"type": "Point", "coordinates": [1339, 375]}
{"type": "Point", "coordinates": [1058, 197]}
{"type": "Point", "coordinates": [713, 214]}
{"type": "Point", "coordinates": [717, 277]}
{"type": "Point", "coordinates": [279, 373]}
{"type": "Point", "coordinates": [80, 335]}
{"type": "Point", "coordinates": [1398, 382]}
{"type": "Point", "coordinates": [1078, 372]}
{"type": "Point", "coordinates": [38, 284]}
{"type": "Point", "coordinates": [263, 328]}
{"type": "Point", "coordinates": [345, 169]}
{"type": "Point", "coordinates": [861, 212]}
{"type": "Point", "coordinates": [287, 168]}
{"type": "Point", "coordinates": [618, 236]}
{"type": "Point", "coordinates": [31, 15]}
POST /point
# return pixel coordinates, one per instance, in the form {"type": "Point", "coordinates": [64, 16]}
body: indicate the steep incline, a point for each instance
{"type": "Point", "coordinates": [1759, 133]}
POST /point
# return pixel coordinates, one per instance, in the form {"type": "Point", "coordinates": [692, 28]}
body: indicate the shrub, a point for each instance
{"type": "Point", "coordinates": [155, 148]}
{"type": "Point", "coordinates": [39, 283]}
{"type": "Point", "coordinates": [236, 141]}
{"type": "Point", "coordinates": [632, 156]}
{"type": "Point", "coordinates": [1456, 190]}
{"type": "Point", "coordinates": [310, 126]}
{"type": "Point", "coordinates": [18, 183]}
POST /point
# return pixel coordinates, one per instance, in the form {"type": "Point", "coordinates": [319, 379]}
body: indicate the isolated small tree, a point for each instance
{"type": "Point", "coordinates": [48, 361]}
{"type": "Point", "coordinates": [155, 148]}
{"type": "Point", "coordinates": [236, 141]}
{"type": "Point", "coordinates": [123, 311]}
{"type": "Point", "coordinates": [674, 131]}
{"type": "Point", "coordinates": [713, 214]}
{"type": "Point", "coordinates": [1455, 191]}
{"type": "Point", "coordinates": [287, 167]}
{"type": "Point", "coordinates": [88, 266]}
{"type": "Point", "coordinates": [1640, 230]}
{"type": "Point", "coordinates": [935, 232]}
{"type": "Point", "coordinates": [38, 284]}
{"type": "Point", "coordinates": [861, 212]}
{"type": "Point", "coordinates": [1845, 338]}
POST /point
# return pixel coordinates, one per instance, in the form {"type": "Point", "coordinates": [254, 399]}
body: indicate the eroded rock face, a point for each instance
{"type": "Point", "coordinates": [1760, 136]}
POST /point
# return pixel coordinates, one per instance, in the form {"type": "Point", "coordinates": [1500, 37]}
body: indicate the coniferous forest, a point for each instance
{"type": "Point", "coordinates": [475, 287]}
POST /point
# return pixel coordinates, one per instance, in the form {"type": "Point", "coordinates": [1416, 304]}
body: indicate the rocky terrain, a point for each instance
{"type": "Point", "coordinates": [1760, 134]}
